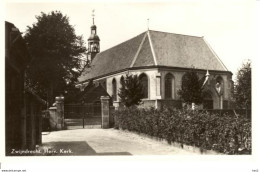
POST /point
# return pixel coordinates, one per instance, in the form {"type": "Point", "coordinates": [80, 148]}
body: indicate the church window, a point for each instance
{"type": "Point", "coordinates": [144, 81]}
{"type": "Point", "coordinates": [121, 80]}
{"type": "Point", "coordinates": [219, 85]}
{"type": "Point", "coordinates": [169, 86]}
{"type": "Point", "coordinates": [114, 90]}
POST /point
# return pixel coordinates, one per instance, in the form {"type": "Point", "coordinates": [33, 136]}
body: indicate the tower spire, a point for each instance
{"type": "Point", "coordinates": [93, 40]}
{"type": "Point", "coordinates": [93, 16]}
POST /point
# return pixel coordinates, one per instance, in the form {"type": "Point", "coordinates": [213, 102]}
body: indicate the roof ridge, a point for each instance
{"type": "Point", "coordinates": [215, 54]}
{"type": "Point", "coordinates": [122, 42]}
{"type": "Point", "coordinates": [152, 49]}
{"type": "Point", "coordinates": [177, 34]}
{"type": "Point", "coordinates": [138, 50]}
{"type": "Point", "coordinates": [146, 32]}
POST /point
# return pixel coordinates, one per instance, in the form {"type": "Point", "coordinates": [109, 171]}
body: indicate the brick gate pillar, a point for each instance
{"type": "Point", "coordinates": [105, 111]}
{"type": "Point", "coordinates": [59, 101]}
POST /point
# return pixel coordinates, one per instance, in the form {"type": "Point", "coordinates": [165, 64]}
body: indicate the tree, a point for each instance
{"type": "Point", "coordinates": [56, 53]}
{"type": "Point", "coordinates": [191, 90]}
{"type": "Point", "coordinates": [242, 90]}
{"type": "Point", "coordinates": [131, 91]}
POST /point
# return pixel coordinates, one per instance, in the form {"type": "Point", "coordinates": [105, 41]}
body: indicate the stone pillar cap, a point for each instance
{"type": "Point", "coordinates": [59, 98]}
{"type": "Point", "coordinates": [104, 97]}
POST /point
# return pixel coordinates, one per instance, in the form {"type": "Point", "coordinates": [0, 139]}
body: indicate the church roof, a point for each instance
{"type": "Point", "coordinates": [92, 94]}
{"type": "Point", "coordinates": [154, 48]}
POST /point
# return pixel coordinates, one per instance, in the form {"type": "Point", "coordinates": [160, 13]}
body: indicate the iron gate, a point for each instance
{"type": "Point", "coordinates": [82, 115]}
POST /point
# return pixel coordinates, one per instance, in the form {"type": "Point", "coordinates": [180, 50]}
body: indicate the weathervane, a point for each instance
{"type": "Point", "coordinates": [93, 15]}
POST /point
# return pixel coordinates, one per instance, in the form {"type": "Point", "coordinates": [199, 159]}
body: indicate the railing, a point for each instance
{"type": "Point", "coordinates": [76, 111]}
{"type": "Point", "coordinates": [82, 114]}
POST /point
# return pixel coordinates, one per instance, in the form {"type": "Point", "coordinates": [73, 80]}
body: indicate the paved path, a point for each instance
{"type": "Point", "coordinates": [105, 142]}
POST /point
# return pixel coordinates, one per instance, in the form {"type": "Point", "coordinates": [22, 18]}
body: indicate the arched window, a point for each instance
{"type": "Point", "coordinates": [207, 100]}
{"type": "Point", "coordinates": [219, 85]}
{"type": "Point", "coordinates": [122, 80]}
{"type": "Point", "coordinates": [114, 90]}
{"type": "Point", "coordinates": [169, 86]}
{"type": "Point", "coordinates": [144, 81]}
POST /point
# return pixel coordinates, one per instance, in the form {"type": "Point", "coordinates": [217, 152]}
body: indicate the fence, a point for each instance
{"type": "Point", "coordinates": [79, 115]}
{"type": "Point", "coordinates": [76, 111]}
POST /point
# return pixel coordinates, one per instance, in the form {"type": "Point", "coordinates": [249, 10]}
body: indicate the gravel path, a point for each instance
{"type": "Point", "coordinates": [105, 142]}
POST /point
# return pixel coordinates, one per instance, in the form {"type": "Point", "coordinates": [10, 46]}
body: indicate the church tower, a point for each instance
{"type": "Point", "coordinates": [93, 41]}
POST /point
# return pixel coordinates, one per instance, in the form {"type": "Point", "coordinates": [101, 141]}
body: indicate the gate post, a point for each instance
{"type": "Point", "coordinates": [60, 112]}
{"type": "Point", "coordinates": [105, 111]}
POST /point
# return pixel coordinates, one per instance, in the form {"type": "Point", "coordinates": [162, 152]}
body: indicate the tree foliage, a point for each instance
{"type": "Point", "coordinates": [191, 90]}
{"type": "Point", "coordinates": [131, 91]}
{"type": "Point", "coordinates": [242, 91]}
{"type": "Point", "coordinates": [56, 51]}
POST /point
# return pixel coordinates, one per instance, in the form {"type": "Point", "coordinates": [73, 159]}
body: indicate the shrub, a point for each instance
{"type": "Point", "coordinates": [224, 134]}
{"type": "Point", "coordinates": [191, 89]}
{"type": "Point", "coordinates": [131, 91]}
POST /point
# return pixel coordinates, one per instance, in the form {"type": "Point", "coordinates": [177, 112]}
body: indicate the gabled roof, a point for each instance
{"type": "Point", "coordinates": [92, 94]}
{"type": "Point", "coordinates": [153, 48]}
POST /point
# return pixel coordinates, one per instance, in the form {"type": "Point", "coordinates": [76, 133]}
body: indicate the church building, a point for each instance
{"type": "Point", "coordinates": [160, 59]}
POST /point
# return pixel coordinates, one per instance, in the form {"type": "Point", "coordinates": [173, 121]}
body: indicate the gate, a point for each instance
{"type": "Point", "coordinates": [78, 116]}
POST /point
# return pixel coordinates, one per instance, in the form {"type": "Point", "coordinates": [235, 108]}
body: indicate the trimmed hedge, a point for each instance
{"type": "Point", "coordinates": [225, 134]}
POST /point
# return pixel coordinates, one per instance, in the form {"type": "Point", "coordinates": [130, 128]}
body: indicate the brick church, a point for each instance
{"type": "Point", "coordinates": [160, 59]}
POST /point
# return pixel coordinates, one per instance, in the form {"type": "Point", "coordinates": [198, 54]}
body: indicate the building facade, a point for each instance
{"type": "Point", "coordinates": [160, 60]}
{"type": "Point", "coordinates": [22, 106]}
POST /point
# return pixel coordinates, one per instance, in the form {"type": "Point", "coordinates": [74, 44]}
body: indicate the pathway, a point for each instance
{"type": "Point", "coordinates": [105, 142]}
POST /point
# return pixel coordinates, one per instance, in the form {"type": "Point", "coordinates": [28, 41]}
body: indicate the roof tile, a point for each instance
{"type": "Point", "coordinates": [145, 56]}
{"type": "Point", "coordinates": [114, 59]}
{"type": "Point", "coordinates": [173, 50]}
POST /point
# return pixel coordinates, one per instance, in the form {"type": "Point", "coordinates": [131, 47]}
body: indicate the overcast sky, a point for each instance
{"type": "Point", "coordinates": [228, 26]}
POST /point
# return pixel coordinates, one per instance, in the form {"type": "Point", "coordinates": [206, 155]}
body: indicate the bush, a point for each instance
{"type": "Point", "coordinates": [225, 134]}
{"type": "Point", "coordinates": [131, 91]}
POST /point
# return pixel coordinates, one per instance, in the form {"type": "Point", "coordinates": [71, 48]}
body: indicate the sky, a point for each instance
{"type": "Point", "coordinates": [228, 26]}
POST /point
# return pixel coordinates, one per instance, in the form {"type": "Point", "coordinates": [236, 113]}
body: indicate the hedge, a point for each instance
{"type": "Point", "coordinates": [224, 134]}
